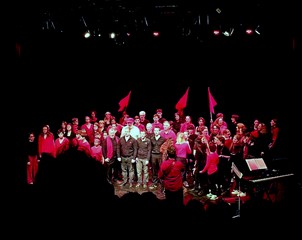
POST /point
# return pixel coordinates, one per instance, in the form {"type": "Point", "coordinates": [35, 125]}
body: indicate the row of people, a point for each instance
{"type": "Point", "coordinates": [134, 166]}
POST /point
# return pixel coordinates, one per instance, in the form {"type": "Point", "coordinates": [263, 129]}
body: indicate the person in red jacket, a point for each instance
{"type": "Point", "coordinates": [47, 153]}
{"type": "Point", "coordinates": [61, 143]}
{"type": "Point", "coordinates": [170, 173]}
{"type": "Point", "coordinates": [46, 143]}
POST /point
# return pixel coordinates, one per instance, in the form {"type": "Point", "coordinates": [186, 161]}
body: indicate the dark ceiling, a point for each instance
{"type": "Point", "coordinates": [184, 21]}
{"type": "Point", "coordinates": [183, 17]}
{"type": "Point", "coordinates": [49, 57]}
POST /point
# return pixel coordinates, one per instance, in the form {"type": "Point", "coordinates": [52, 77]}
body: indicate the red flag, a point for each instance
{"type": "Point", "coordinates": [182, 102]}
{"type": "Point", "coordinates": [124, 102]}
{"type": "Point", "coordinates": [212, 101]}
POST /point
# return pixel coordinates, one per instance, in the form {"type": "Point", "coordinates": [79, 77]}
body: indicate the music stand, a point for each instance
{"type": "Point", "coordinates": [255, 164]}
{"type": "Point", "coordinates": [239, 175]}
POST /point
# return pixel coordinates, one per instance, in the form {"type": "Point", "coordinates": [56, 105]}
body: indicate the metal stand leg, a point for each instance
{"type": "Point", "coordinates": [237, 215]}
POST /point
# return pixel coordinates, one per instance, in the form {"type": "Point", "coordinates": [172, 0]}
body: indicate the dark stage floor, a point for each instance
{"type": "Point", "coordinates": [276, 189]}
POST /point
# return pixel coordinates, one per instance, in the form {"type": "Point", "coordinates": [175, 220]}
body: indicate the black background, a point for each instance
{"type": "Point", "coordinates": [59, 76]}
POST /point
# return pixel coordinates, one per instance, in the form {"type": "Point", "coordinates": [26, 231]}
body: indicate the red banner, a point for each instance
{"type": "Point", "coordinates": [182, 102]}
{"type": "Point", "coordinates": [124, 102]}
{"type": "Point", "coordinates": [212, 101]}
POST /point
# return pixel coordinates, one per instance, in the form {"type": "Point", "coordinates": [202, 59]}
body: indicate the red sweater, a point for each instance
{"type": "Point", "coordinates": [61, 147]}
{"type": "Point", "coordinates": [211, 164]}
{"type": "Point", "coordinates": [173, 179]}
{"type": "Point", "coordinates": [46, 145]}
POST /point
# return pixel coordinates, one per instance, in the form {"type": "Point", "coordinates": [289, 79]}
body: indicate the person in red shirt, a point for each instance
{"type": "Point", "coordinates": [275, 145]}
{"type": "Point", "coordinates": [211, 168]}
{"type": "Point", "coordinates": [96, 151]}
{"type": "Point", "coordinates": [82, 144]}
{"type": "Point", "coordinates": [46, 143]}
{"type": "Point", "coordinates": [61, 144]}
{"type": "Point", "coordinates": [170, 173]}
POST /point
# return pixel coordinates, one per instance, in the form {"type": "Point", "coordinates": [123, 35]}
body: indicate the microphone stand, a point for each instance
{"type": "Point", "coordinates": [239, 175]}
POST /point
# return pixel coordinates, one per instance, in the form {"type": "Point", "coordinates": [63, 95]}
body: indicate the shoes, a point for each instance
{"type": "Point", "coordinates": [209, 195]}
{"type": "Point", "coordinates": [238, 193]}
{"type": "Point", "coordinates": [130, 185]}
{"type": "Point", "coordinates": [145, 186]}
{"type": "Point", "coordinates": [213, 197]}
{"type": "Point", "coordinates": [153, 186]}
{"type": "Point", "coordinates": [138, 185]}
{"type": "Point", "coordinates": [241, 194]}
{"type": "Point", "coordinates": [123, 183]}
{"type": "Point", "coordinates": [185, 184]}
{"type": "Point", "coordinates": [119, 182]}
{"type": "Point", "coordinates": [235, 192]}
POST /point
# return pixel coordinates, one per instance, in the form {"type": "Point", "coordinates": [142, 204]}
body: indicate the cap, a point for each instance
{"type": "Point", "coordinates": [130, 120]}
{"type": "Point", "coordinates": [159, 110]}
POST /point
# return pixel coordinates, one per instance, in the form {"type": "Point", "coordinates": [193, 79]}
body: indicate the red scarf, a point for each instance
{"type": "Point", "coordinates": [110, 146]}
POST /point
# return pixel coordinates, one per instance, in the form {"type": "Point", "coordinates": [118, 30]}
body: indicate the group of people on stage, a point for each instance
{"type": "Point", "coordinates": [140, 152]}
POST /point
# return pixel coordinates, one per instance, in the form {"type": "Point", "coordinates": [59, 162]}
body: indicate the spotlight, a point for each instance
{"type": "Point", "coordinates": [112, 35]}
{"type": "Point", "coordinates": [228, 33]}
{"type": "Point", "coordinates": [216, 32]}
{"type": "Point", "coordinates": [257, 30]}
{"type": "Point", "coordinates": [249, 31]}
{"type": "Point", "coordinates": [156, 34]}
{"type": "Point", "coordinates": [87, 34]}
